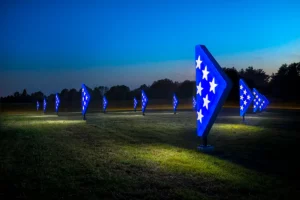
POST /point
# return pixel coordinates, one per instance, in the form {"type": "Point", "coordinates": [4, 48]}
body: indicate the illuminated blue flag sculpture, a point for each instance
{"type": "Point", "coordinates": [246, 97]}
{"type": "Point", "coordinates": [144, 102]}
{"type": "Point", "coordinates": [57, 103]}
{"type": "Point", "coordinates": [135, 102]}
{"type": "Point", "coordinates": [194, 104]}
{"type": "Point", "coordinates": [37, 105]}
{"type": "Point", "coordinates": [104, 104]}
{"type": "Point", "coordinates": [45, 105]}
{"type": "Point", "coordinates": [213, 87]}
{"type": "Point", "coordinates": [85, 100]}
{"type": "Point", "coordinates": [175, 103]}
{"type": "Point", "coordinates": [255, 100]}
{"type": "Point", "coordinates": [263, 103]}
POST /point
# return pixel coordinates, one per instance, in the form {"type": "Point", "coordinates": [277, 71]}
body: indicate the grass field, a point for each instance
{"type": "Point", "coordinates": [124, 155]}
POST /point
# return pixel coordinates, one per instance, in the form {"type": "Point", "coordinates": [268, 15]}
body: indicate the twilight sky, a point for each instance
{"type": "Point", "coordinates": [52, 45]}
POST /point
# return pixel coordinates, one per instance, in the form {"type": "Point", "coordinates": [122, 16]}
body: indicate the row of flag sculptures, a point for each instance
{"type": "Point", "coordinates": [86, 100]}
{"type": "Point", "coordinates": [213, 87]}
{"type": "Point", "coordinates": [260, 102]}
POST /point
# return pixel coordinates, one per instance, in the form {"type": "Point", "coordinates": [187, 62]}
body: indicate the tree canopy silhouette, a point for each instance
{"type": "Point", "coordinates": [282, 85]}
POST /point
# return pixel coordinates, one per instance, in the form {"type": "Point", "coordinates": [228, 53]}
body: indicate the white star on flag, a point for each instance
{"type": "Point", "coordinates": [206, 102]}
{"type": "Point", "coordinates": [198, 61]}
{"type": "Point", "coordinates": [199, 89]}
{"type": "Point", "coordinates": [205, 73]}
{"type": "Point", "coordinates": [248, 97]}
{"type": "Point", "coordinates": [200, 116]}
{"type": "Point", "coordinates": [213, 85]}
{"type": "Point", "coordinates": [242, 108]}
{"type": "Point", "coordinates": [245, 102]}
{"type": "Point", "coordinates": [242, 97]}
{"type": "Point", "coordinates": [245, 92]}
{"type": "Point", "coordinates": [241, 87]}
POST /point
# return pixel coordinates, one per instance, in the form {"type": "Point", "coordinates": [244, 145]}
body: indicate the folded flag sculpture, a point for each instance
{"type": "Point", "coordinates": [135, 102]}
{"type": "Point", "coordinates": [105, 102]}
{"type": "Point", "coordinates": [144, 102]}
{"type": "Point", "coordinates": [246, 97]}
{"type": "Point", "coordinates": [213, 87]}
{"type": "Point", "coordinates": [57, 103]}
{"type": "Point", "coordinates": [85, 100]}
{"type": "Point", "coordinates": [45, 105]}
{"type": "Point", "coordinates": [175, 103]}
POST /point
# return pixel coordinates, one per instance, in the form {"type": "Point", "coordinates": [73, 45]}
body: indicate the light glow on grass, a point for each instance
{"type": "Point", "coordinates": [123, 116]}
{"type": "Point", "coordinates": [46, 122]}
{"type": "Point", "coordinates": [41, 116]}
{"type": "Point", "coordinates": [237, 128]}
{"type": "Point", "coordinates": [189, 162]}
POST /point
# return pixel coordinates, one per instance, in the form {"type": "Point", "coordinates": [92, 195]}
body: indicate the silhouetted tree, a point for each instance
{"type": "Point", "coordinates": [16, 94]}
{"type": "Point", "coordinates": [285, 83]}
{"type": "Point", "coordinates": [163, 88]}
{"type": "Point", "coordinates": [37, 96]}
{"type": "Point", "coordinates": [186, 89]}
{"type": "Point", "coordinates": [51, 101]}
{"type": "Point", "coordinates": [64, 95]}
{"type": "Point", "coordinates": [255, 78]}
{"type": "Point", "coordinates": [103, 90]}
{"type": "Point", "coordinates": [72, 94]}
{"type": "Point", "coordinates": [24, 93]}
{"type": "Point", "coordinates": [96, 95]}
{"type": "Point", "coordinates": [119, 92]}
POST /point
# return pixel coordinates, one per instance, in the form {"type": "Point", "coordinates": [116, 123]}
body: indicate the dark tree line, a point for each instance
{"type": "Point", "coordinates": [282, 85]}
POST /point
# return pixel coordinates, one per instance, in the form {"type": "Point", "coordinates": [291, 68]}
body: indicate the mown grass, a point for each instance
{"type": "Point", "coordinates": [127, 156]}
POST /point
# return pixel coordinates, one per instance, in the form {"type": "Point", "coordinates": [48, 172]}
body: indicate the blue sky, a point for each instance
{"type": "Point", "coordinates": [51, 45]}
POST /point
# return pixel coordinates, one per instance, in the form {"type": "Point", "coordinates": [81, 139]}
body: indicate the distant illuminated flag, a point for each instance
{"type": "Point", "coordinates": [37, 105]}
{"type": "Point", "coordinates": [256, 101]}
{"type": "Point", "coordinates": [45, 104]}
{"type": "Point", "coordinates": [135, 102]}
{"type": "Point", "coordinates": [175, 103]}
{"type": "Point", "coordinates": [104, 104]}
{"type": "Point", "coordinates": [144, 102]}
{"type": "Point", "coordinates": [57, 103]}
{"type": "Point", "coordinates": [246, 97]}
{"type": "Point", "coordinates": [213, 87]}
{"type": "Point", "coordinates": [85, 99]}
{"type": "Point", "coordinates": [263, 103]}
{"type": "Point", "coordinates": [194, 104]}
